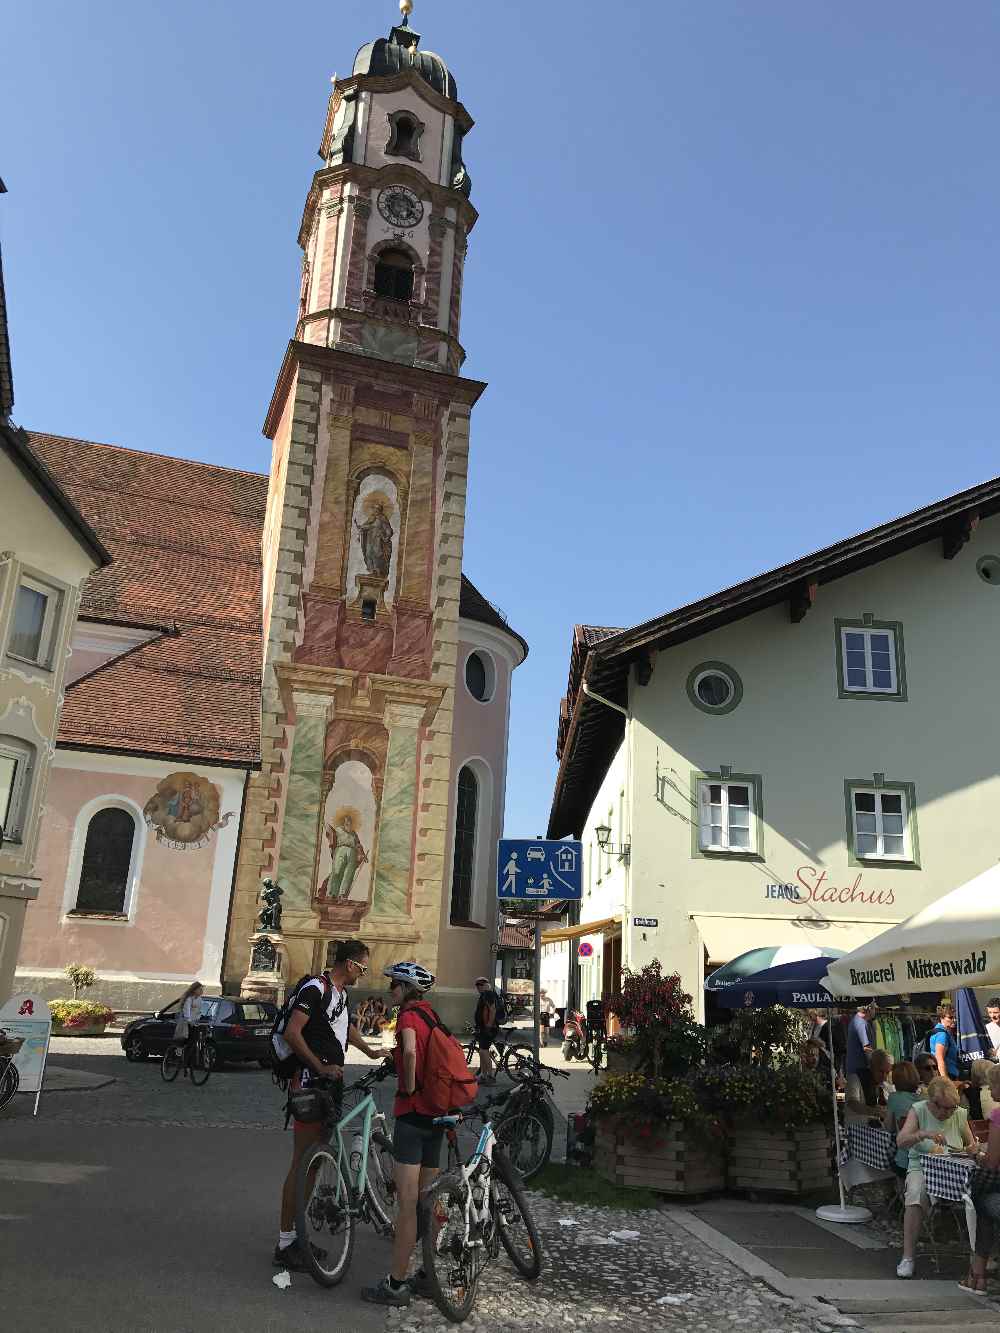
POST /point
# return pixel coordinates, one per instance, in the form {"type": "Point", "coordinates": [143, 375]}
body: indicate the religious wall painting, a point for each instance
{"type": "Point", "coordinates": [347, 850]}
{"type": "Point", "coordinates": [374, 540]}
{"type": "Point", "coordinates": [185, 812]}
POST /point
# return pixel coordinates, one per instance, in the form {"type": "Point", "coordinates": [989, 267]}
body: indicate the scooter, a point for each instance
{"type": "Point", "coordinates": [574, 1036]}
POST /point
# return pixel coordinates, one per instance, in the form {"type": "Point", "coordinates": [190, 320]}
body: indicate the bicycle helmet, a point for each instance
{"type": "Point", "coordinates": [410, 974]}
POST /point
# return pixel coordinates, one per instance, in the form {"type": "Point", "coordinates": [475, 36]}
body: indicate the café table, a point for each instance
{"type": "Point", "coordinates": [946, 1179]}
{"type": "Point", "coordinates": [867, 1155]}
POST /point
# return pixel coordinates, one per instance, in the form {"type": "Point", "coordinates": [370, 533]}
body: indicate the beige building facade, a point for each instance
{"type": "Point", "coordinates": [806, 759]}
{"type": "Point", "coordinates": [46, 553]}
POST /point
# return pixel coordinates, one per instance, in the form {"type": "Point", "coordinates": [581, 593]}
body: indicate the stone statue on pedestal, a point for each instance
{"type": "Point", "coordinates": [270, 916]}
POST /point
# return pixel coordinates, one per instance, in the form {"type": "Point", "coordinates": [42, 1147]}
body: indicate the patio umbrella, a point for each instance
{"type": "Point", "coordinates": [798, 986]}
{"type": "Point", "coordinates": [757, 960]}
{"type": "Point", "coordinates": [971, 1035]}
{"type": "Point", "coordinates": [795, 985]}
{"type": "Point", "coordinates": [953, 942]}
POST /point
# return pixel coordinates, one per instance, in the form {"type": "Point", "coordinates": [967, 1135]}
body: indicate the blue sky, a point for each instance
{"type": "Point", "coordinates": [734, 286]}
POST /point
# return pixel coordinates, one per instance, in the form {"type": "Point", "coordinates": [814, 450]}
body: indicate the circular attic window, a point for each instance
{"type": "Point", "coordinates": [480, 676]}
{"type": "Point", "coordinates": [714, 687]}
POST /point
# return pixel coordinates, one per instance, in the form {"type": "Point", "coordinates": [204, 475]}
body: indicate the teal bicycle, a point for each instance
{"type": "Point", "coordinates": [345, 1178]}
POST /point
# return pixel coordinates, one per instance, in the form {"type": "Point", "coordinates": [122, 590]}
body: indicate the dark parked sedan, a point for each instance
{"type": "Point", "coordinates": [239, 1030]}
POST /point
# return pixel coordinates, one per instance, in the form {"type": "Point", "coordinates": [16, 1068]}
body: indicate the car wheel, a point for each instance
{"type": "Point", "coordinates": [135, 1050]}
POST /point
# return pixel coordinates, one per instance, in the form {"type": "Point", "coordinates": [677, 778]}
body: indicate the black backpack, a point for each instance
{"type": "Point", "coordinates": [284, 1062]}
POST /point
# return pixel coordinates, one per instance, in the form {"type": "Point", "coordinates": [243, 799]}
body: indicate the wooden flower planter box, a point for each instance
{"type": "Point", "coordinates": [794, 1161]}
{"type": "Point", "coordinates": [672, 1163]}
{"type": "Point", "coordinates": [92, 1028]}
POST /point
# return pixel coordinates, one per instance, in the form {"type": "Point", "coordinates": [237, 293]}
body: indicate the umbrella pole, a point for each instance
{"type": "Point", "coordinates": [842, 1212]}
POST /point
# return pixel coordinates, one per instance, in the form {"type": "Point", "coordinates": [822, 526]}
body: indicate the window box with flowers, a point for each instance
{"type": "Point", "coordinates": [778, 1126]}
{"type": "Point", "coordinates": [651, 1133]}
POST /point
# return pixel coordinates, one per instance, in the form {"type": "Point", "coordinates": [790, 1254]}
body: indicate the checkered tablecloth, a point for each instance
{"type": "Point", "coordinates": [947, 1177]}
{"type": "Point", "coordinates": [875, 1147]}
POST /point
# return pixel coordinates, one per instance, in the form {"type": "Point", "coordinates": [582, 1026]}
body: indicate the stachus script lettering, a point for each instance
{"type": "Point", "coordinates": [921, 969]}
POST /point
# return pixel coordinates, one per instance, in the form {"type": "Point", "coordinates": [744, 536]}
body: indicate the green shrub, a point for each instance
{"type": "Point", "coordinates": [79, 1013]}
{"type": "Point", "coordinates": [81, 978]}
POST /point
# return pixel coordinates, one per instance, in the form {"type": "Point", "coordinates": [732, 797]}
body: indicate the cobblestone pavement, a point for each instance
{"type": "Point", "coordinates": [653, 1281]}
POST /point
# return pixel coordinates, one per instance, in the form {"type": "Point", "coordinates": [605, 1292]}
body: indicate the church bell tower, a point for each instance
{"type": "Point", "coordinates": [362, 548]}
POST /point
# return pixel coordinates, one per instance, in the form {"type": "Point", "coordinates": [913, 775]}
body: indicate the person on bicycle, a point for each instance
{"type": "Point", "coordinates": [319, 1031]}
{"type": "Point", "coordinates": [188, 1018]}
{"type": "Point", "coordinates": [417, 1141]}
{"type": "Point", "coordinates": [487, 1025]}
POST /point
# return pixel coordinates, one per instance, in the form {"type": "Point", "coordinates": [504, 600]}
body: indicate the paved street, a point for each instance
{"type": "Point", "coordinates": [168, 1195]}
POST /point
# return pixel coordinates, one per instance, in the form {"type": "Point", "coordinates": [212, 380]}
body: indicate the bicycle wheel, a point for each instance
{"type": "Point", "coordinates": [452, 1265]}
{"type": "Point", "coordinates": [380, 1179]}
{"type": "Point", "coordinates": [518, 1063]}
{"type": "Point", "coordinates": [324, 1215]}
{"type": "Point", "coordinates": [518, 1233]}
{"type": "Point", "coordinates": [526, 1134]}
{"type": "Point", "coordinates": [202, 1063]}
{"type": "Point", "coordinates": [598, 1054]}
{"type": "Point", "coordinates": [170, 1065]}
{"type": "Point", "coordinates": [10, 1081]}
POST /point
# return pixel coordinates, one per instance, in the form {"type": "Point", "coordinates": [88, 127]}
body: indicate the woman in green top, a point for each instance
{"type": "Point", "coordinates": [939, 1122]}
{"type": "Point", "coordinates": [905, 1080]}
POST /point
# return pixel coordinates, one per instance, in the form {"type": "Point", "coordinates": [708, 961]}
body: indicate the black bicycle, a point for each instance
{"type": "Point", "coordinates": [196, 1058]}
{"type": "Point", "coordinates": [508, 1052]}
{"type": "Point", "coordinates": [526, 1125]}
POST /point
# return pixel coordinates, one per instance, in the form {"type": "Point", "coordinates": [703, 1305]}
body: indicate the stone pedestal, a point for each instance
{"type": "Point", "coordinates": [267, 975]}
{"type": "Point", "coordinates": [371, 588]}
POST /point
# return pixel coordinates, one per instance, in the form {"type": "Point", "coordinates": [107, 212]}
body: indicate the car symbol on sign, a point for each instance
{"type": "Point", "coordinates": [536, 854]}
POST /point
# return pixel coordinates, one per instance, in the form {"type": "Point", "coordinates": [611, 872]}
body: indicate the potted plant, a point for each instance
{"type": "Point", "coordinates": [652, 1133]}
{"type": "Point", "coordinates": [778, 1124]}
{"type": "Point", "coordinates": [76, 1017]}
{"type": "Point", "coordinates": [660, 1034]}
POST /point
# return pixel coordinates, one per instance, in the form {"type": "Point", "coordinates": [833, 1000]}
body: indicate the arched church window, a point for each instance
{"type": "Point", "coordinates": [405, 130]}
{"type": "Point", "coordinates": [463, 869]}
{"type": "Point", "coordinates": [404, 135]}
{"type": "Point", "coordinates": [107, 861]}
{"type": "Point", "coordinates": [394, 275]}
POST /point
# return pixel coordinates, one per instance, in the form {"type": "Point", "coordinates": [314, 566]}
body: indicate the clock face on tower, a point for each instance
{"type": "Point", "coordinates": [400, 206]}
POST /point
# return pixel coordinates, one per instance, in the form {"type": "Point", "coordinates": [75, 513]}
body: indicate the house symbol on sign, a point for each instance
{"type": "Point", "coordinates": [567, 859]}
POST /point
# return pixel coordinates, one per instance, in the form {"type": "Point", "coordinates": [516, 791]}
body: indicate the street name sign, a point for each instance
{"type": "Point", "coordinates": [539, 869]}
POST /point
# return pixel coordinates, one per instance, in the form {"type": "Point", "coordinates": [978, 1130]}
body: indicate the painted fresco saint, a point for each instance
{"type": "Point", "coordinates": [348, 855]}
{"type": "Point", "coordinates": [376, 535]}
{"type": "Point", "coordinates": [184, 811]}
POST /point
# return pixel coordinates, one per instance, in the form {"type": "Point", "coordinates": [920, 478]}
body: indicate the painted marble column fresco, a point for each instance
{"type": "Point", "coordinates": [399, 800]}
{"type": "Point", "coordinates": [300, 829]}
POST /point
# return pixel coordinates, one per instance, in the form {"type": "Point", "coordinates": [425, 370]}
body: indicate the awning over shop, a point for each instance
{"type": "Point", "coordinates": [727, 937]}
{"type": "Point", "coordinates": [608, 925]}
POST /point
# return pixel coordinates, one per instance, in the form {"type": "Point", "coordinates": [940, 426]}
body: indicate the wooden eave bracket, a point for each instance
{"type": "Point", "coordinates": [801, 600]}
{"type": "Point", "coordinates": [957, 533]}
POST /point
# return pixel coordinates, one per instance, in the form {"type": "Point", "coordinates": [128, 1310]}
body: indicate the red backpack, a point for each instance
{"type": "Point", "coordinates": [448, 1083]}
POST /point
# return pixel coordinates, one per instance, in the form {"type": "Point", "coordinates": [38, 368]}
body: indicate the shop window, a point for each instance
{"type": "Point", "coordinates": [394, 275]}
{"type": "Point", "coordinates": [105, 874]}
{"type": "Point", "coordinates": [463, 867]}
{"type": "Point", "coordinates": [730, 818]}
{"type": "Point", "coordinates": [881, 822]}
{"type": "Point", "coordinates": [17, 761]}
{"type": "Point", "coordinates": [870, 659]}
{"type": "Point", "coordinates": [36, 621]}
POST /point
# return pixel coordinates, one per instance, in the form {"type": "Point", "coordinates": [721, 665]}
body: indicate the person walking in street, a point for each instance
{"type": "Point", "coordinates": [319, 1030]}
{"type": "Point", "coordinates": [546, 1012]}
{"type": "Point", "coordinates": [942, 1044]}
{"type": "Point", "coordinates": [417, 1141]}
{"type": "Point", "coordinates": [188, 1018]}
{"type": "Point", "coordinates": [486, 1021]}
{"type": "Point", "coordinates": [860, 1044]}
{"type": "Point", "coordinates": [993, 1027]}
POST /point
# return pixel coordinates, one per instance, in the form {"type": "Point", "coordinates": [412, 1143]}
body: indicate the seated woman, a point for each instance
{"type": "Point", "coordinates": [933, 1125]}
{"type": "Point", "coordinates": [987, 1204]}
{"type": "Point", "coordinates": [926, 1067]}
{"type": "Point", "coordinates": [856, 1108]}
{"type": "Point", "coordinates": [905, 1081]}
{"type": "Point", "coordinates": [978, 1074]}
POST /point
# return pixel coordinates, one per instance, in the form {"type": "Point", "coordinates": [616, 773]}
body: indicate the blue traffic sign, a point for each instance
{"type": "Point", "coordinates": [540, 869]}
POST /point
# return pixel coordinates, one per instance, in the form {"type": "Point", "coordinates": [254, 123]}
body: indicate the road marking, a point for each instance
{"type": "Point", "coordinates": [48, 1173]}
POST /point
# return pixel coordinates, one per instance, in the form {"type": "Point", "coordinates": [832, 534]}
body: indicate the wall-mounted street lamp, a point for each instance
{"type": "Point", "coordinates": [603, 833]}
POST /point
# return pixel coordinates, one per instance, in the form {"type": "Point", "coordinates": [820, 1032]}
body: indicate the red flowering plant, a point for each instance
{"type": "Point", "coordinates": [644, 1107]}
{"type": "Point", "coordinates": [663, 1037]}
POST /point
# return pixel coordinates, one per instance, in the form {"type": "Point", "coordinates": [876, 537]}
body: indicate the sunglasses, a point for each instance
{"type": "Point", "coordinates": [362, 967]}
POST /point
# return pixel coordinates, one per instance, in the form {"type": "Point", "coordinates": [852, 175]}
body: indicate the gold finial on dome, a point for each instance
{"type": "Point", "coordinates": [406, 9]}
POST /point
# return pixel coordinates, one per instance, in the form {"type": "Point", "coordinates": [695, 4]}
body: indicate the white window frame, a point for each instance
{"type": "Point", "coordinates": [704, 823]}
{"type": "Point", "coordinates": [23, 754]}
{"type": "Point", "coordinates": [50, 623]}
{"type": "Point", "coordinates": [869, 687]}
{"type": "Point", "coordinates": [880, 854]}
{"type": "Point", "coordinates": [71, 890]}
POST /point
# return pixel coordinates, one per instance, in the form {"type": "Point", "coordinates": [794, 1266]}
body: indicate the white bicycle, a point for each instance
{"type": "Point", "coordinates": [468, 1213]}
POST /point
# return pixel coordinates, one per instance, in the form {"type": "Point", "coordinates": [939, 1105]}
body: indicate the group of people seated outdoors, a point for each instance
{"type": "Point", "coordinates": [928, 1109]}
